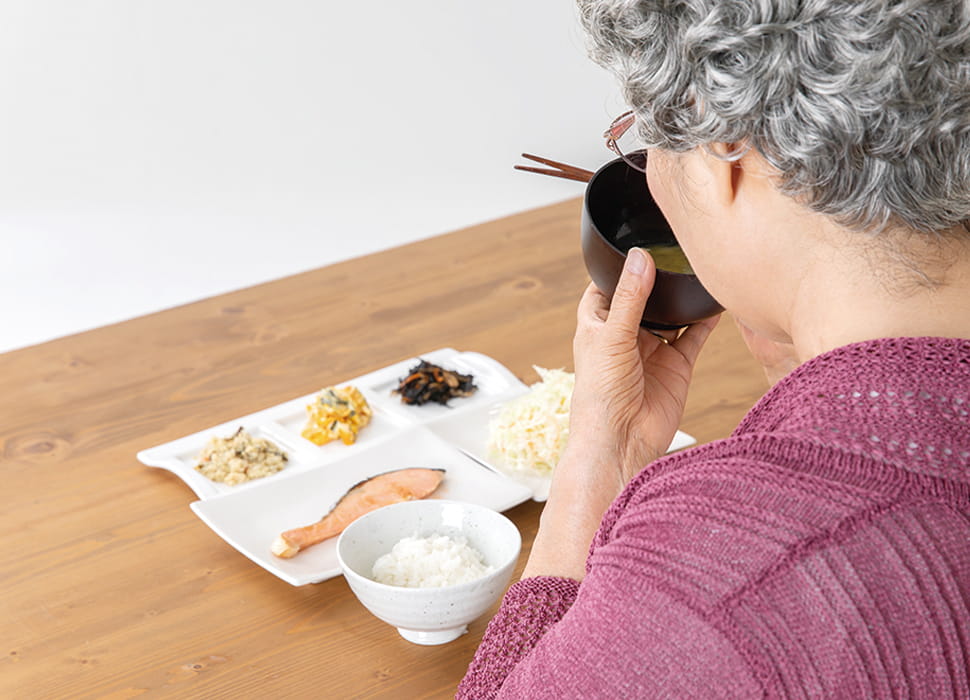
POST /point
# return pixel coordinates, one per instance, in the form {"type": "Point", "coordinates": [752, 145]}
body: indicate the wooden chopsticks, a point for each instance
{"type": "Point", "coordinates": [556, 169]}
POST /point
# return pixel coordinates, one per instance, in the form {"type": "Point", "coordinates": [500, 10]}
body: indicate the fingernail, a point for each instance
{"type": "Point", "coordinates": [636, 261]}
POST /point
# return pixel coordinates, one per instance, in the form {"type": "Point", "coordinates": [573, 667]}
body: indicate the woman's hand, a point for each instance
{"type": "Point", "coordinates": [631, 386]}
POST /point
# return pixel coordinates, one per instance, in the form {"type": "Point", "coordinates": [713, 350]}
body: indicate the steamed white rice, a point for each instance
{"type": "Point", "coordinates": [430, 562]}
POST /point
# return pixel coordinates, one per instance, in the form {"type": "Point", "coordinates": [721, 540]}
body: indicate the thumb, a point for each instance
{"type": "Point", "coordinates": [632, 290]}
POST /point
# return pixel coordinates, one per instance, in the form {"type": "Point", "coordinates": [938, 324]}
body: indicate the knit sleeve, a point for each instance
{"type": "Point", "coordinates": [624, 638]}
{"type": "Point", "coordinates": [529, 608]}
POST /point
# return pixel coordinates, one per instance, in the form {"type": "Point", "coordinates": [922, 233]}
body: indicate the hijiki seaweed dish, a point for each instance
{"type": "Point", "coordinates": [429, 383]}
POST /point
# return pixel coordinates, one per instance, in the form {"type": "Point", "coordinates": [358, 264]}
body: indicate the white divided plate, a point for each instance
{"type": "Point", "coordinates": [250, 515]}
{"type": "Point", "coordinates": [283, 423]}
{"type": "Point", "coordinates": [250, 519]}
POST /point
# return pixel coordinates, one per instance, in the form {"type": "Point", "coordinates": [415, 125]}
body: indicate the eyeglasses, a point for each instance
{"type": "Point", "coordinates": [636, 159]}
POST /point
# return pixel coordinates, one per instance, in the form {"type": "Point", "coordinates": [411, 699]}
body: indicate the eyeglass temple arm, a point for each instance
{"type": "Point", "coordinates": [619, 127]}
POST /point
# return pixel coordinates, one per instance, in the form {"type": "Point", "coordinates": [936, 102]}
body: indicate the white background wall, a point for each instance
{"type": "Point", "coordinates": [154, 152]}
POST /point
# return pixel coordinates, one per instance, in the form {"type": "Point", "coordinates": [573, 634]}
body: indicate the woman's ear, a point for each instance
{"type": "Point", "coordinates": [726, 176]}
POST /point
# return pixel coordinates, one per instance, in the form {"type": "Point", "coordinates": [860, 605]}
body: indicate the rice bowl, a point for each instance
{"type": "Point", "coordinates": [429, 615]}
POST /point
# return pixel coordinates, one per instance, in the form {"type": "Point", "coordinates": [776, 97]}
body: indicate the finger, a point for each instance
{"type": "Point", "coordinates": [593, 306]}
{"type": "Point", "coordinates": [691, 341]}
{"type": "Point", "coordinates": [632, 290]}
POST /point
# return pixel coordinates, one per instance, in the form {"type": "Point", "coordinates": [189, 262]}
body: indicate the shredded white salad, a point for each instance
{"type": "Point", "coordinates": [529, 432]}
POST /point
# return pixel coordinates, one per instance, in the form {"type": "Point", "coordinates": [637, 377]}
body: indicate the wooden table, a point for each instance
{"type": "Point", "coordinates": [112, 588]}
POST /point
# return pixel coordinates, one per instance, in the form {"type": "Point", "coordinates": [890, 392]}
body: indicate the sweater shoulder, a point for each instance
{"type": "Point", "coordinates": [710, 524]}
{"type": "Point", "coordinates": [810, 580]}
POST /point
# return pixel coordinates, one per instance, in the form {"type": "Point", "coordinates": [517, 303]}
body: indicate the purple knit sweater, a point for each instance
{"type": "Point", "coordinates": [822, 551]}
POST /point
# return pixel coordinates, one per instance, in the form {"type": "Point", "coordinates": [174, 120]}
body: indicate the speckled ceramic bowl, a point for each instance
{"type": "Point", "coordinates": [429, 615]}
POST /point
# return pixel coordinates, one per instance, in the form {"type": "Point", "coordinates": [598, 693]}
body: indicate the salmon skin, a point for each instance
{"type": "Point", "coordinates": [365, 496]}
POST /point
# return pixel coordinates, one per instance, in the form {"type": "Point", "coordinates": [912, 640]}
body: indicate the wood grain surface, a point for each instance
{"type": "Point", "coordinates": [112, 588]}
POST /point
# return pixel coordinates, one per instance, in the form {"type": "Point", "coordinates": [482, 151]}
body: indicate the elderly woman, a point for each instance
{"type": "Point", "coordinates": [813, 158]}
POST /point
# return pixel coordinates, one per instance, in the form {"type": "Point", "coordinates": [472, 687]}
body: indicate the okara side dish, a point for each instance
{"type": "Point", "coordinates": [239, 458]}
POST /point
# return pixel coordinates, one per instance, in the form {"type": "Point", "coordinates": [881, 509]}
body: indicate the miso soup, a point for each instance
{"type": "Point", "coordinates": [670, 257]}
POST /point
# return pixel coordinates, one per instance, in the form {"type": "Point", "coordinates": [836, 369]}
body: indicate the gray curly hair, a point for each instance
{"type": "Point", "coordinates": [863, 106]}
